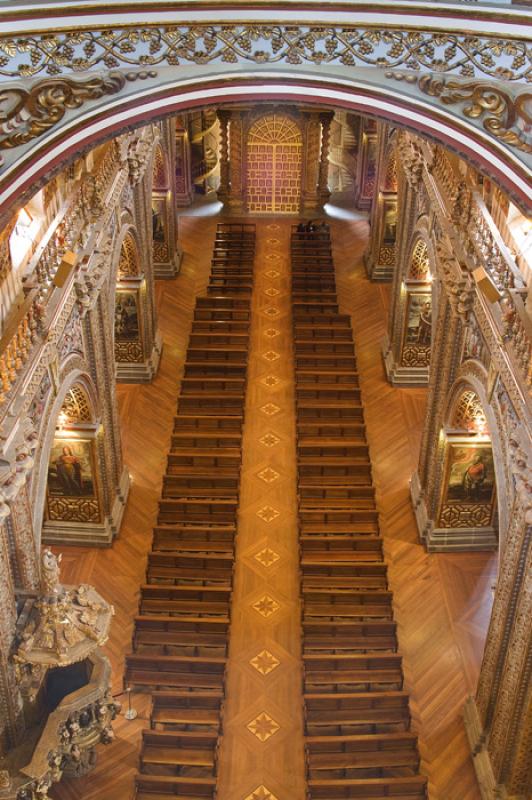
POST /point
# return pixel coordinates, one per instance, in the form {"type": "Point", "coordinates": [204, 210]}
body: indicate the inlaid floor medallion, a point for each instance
{"type": "Point", "coordinates": [267, 557]}
{"type": "Point", "coordinates": [268, 513]}
{"type": "Point", "coordinates": [268, 475]}
{"type": "Point", "coordinates": [266, 606]}
{"type": "Point", "coordinates": [269, 440]}
{"type": "Point", "coordinates": [263, 726]}
{"type": "Point", "coordinates": [264, 662]}
{"type": "Point", "coordinates": [270, 409]}
{"type": "Point", "coordinates": [261, 793]}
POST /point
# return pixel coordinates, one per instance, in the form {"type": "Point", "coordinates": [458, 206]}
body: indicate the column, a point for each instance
{"type": "Point", "coordinates": [498, 719]}
{"type": "Point", "coordinates": [326, 119]}
{"type": "Point", "coordinates": [366, 164]}
{"type": "Point", "coordinates": [380, 257]}
{"type": "Point", "coordinates": [166, 251]}
{"type": "Point", "coordinates": [310, 168]}
{"type": "Point", "coordinates": [235, 199]}
{"type": "Point", "coordinates": [184, 189]}
{"type": "Point", "coordinates": [223, 189]}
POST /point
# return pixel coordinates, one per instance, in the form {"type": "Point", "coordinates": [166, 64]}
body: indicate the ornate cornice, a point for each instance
{"type": "Point", "coordinates": [27, 113]}
{"type": "Point", "coordinates": [457, 52]}
{"type": "Point", "coordinates": [503, 116]}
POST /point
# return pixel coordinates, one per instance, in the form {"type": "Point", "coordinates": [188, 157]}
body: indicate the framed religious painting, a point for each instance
{"type": "Point", "coordinates": [72, 490]}
{"type": "Point", "coordinates": [159, 218]}
{"type": "Point", "coordinates": [389, 224]}
{"type": "Point", "coordinates": [127, 325]}
{"type": "Point", "coordinates": [468, 488]}
{"type": "Point", "coordinates": [417, 333]}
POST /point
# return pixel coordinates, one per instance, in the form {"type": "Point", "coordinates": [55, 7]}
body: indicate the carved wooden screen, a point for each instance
{"type": "Point", "coordinates": [274, 152]}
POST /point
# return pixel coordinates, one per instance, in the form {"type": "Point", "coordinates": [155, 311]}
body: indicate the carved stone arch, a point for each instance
{"type": "Point", "coordinates": [77, 376]}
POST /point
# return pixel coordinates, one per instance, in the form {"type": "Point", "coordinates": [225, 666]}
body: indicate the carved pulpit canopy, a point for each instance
{"type": "Point", "coordinates": [66, 623]}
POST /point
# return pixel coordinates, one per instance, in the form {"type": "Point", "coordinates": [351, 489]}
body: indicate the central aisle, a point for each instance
{"type": "Point", "coordinates": [261, 755]}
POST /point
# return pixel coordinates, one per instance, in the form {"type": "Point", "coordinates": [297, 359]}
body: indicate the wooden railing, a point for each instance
{"type": "Point", "coordinates": [17, 344]}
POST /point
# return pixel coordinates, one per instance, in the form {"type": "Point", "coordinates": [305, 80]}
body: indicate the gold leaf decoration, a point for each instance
{"type": "Point", "coordinates": [505, 117]}
{"type": "Point", "coordinates": [28, 113]}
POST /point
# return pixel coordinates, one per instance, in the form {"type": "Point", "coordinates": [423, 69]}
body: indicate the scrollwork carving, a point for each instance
{"type": "Point", "coordinates": [503, 116]}
{"type": "Point", "coordinates": [28, 113]}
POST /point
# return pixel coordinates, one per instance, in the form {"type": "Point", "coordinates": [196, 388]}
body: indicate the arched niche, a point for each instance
{"type": "Point", "coordinates": [73, 495]}
{"type": "Point", "coordinates": [418, 308]}
{"type": "Point", "coordinates": [127, 312]}
{"type": "Point", "coordinates": [408, 348]}
{"type": "Point", "coordinates": [274, 164]}
{"type": "Point", "coordinates": [467, 495]}
{"type": "Point", "coordinates": [161, 208]}
{"type": "Point", "coordinates": [137, 347]}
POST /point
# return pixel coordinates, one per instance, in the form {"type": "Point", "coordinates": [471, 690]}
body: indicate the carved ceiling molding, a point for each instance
{"type": "Point", "coordinates": [506, 118]}
{"type": "Point", "coordinates": [27, 113]}
{"type": "Point", "coordinates": [503, 116]}
{"type": "Point", "coordinates": [460, 53]}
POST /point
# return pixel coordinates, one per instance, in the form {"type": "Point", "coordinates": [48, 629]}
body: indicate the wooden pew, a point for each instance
{"type": "Point", "coordinates": [408, 788]}
{"type": "Point", "coordinates": [167, 787]}
{"type": "Point", "coordinates": [176, 752]}
{"type": "Point", "coordinates": [185, 710]}
{"type": "Point", "coordinates": [145, 671]}
{"type": "Point", "coordinates": [348, 636]}
{"type": "Point", "coordinates": [344, 712]}
{"type": "Point", "coordinates": [362, 672]}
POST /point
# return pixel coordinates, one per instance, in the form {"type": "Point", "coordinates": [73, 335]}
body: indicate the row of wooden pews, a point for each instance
{"type": "Point", "coordinates": [182, 628]}
{"type": "Point", "coordinates": [357, 722]}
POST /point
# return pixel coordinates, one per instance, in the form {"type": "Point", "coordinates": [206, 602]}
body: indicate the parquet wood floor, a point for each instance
{"type": "Point", "coordinates": [442, 602]}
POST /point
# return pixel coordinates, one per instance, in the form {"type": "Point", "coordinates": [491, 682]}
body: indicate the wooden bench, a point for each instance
{"type": "Point", "coordinates": [183, 672]}
{"type": "Point", "coordinates": [349, 636]}
{"type": "Point", "coordinates": [174, 752]}
{"type": "Point", "coordinates": [158, 632]}
{"type": "Point", "coordinates": [214, 325]}
{"type": "Point", "coordinates": [166, 787]}
{"type": "Point", "coordinates": [207, 422]}
{"type": "Point", "coordinates": [204, 457]}
{"type": "Point", "coordinates": [185, 710]}
{"type": "Point", "coordinates": [197, 510]}
{"type": "Point", "coordinates": [409, 788]}
{"type": "Point", "coordinates": [206, 438]}
{"type": "Point", "coordinates": [195, 538]}
{"type": "Point", "coordinates": [350, 712]}
{"type": "Point", "coordinates": [176, 566]}
{"type": "Point", "coordinates": [218, 337]}
{"type": "Point", "coordinates": [366, 671]}
{"type": "Point", "coordinates": [356, 517]}
{"type": "Point", "coordinates": [318, 572]}
{"type": "Point", "coordinates": [184, 599]}
{"type": "Point", "coordinates": [354, 754]}
{"type": "Point", "coordinates": [197, 486]}
{"type": "Point", "coordinates": [209, 402]}
{"type": "Point", "coordinates": [325, 361]}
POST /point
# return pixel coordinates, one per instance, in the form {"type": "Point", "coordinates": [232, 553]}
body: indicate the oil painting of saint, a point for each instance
{"type": "Point", "coordinates": [419, 319]}
{"type": "Point", "coordinates": [470, 474]}
{"type": "Point", "coordinates": [126, 317]}
{"type": "Point", "coordinates": [70, 471]}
